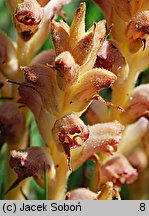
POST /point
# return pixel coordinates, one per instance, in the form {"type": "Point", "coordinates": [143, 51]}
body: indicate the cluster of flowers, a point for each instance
{"type": "Point", "coordinates": [59, 85]}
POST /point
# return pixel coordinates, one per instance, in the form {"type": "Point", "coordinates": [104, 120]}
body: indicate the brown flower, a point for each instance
{"type": "Point", "coordinates": [32, 162]}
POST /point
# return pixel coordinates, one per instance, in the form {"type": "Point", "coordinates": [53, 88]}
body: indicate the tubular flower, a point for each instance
{"type": "Point", "coordinates": [70, 133]}
{"type": "Point", "coordinates": [32, 162]}
{"type": "Point", "coordinates": [133, 135]}
{"type": "Point", "coordinates": [118, 170]}
{"type": "Point", "coordinates": [30, 16]}
{"type": "Point", "coordinates": [138, 159]}
{"type": "Point", "coordinates": [27, 18]}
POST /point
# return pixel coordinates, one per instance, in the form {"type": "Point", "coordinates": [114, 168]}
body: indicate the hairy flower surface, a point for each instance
{"type": "Point", "coordinates": [60, 85]}
{"type": "Point", "coordinates": [27, 18]}
{"type": "Point", "coordinates": [67, 85]}
{"type": "Point", "coordinates": [118, 170]}
{"type": "Point", "coordinates": [32, 162]}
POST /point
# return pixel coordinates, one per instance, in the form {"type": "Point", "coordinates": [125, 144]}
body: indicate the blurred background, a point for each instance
{"type": "Point", "coordinates": [81, 177]}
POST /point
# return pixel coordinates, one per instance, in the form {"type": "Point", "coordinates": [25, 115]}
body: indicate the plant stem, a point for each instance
{"type": "Point", "coordinates": [57, 188]}
{"type": "Point", "coordinates": [121, 93]}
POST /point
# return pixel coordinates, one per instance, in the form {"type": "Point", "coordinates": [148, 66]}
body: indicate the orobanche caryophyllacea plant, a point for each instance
{"type": "Point", "coordinates": [60, 85]}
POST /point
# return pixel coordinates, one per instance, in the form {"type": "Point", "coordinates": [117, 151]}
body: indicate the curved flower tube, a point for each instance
{"type": "Point", "coordinates": [32, 162]}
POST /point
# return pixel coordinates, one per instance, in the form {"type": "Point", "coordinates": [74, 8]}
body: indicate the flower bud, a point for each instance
{"type": "Point", "coordinates": [68, 70]}
{"type": "Point", "coordinates": [27, 18]}
{"type": "Point", "coordinates": [60, 36]}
